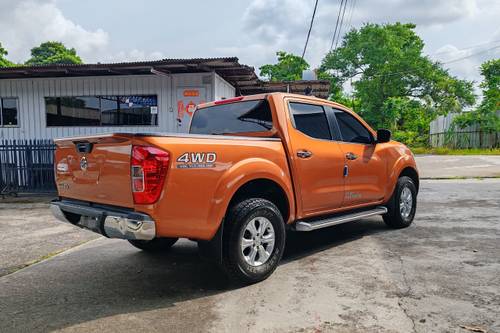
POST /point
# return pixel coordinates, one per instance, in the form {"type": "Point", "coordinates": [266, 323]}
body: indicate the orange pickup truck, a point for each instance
{"type": "Point", "coordinates": [250, 169]}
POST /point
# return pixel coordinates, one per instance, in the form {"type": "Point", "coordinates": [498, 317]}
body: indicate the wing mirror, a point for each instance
{"type": "Point", "coordinates": [383, 135]}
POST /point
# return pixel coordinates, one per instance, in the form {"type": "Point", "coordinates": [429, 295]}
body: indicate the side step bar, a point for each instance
{"type": "Point", "coordinates": [330, 221]}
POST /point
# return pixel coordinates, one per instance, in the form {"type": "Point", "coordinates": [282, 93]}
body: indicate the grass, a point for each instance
{"type": "Point", "coordinates": [450, 151]}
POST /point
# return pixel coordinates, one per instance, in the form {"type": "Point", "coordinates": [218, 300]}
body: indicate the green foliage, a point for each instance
{"type": "Point", "coordinates": [485, 116]}
{"type": "Point", "coordinates": [53, 53]}
{"type": "Point", "coordinates": [288, 68]}
{"type": "Point", "coordinates": [396, 86]}
{"type": "Point", "coordinates": [3, 61]}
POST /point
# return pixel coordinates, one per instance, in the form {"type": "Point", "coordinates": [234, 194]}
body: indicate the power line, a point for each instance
{"type": "Point", "coordinates": [310, 28]}
{"type": "Point", "coordinates": [353, 5]}
{"type": "Point", "coordinates": [442, 63]}
{"type": "Point", "coordinates": [466, 48]}
{"type": "Point", "coordinates": [471, 55]}
{"type": "Point", "coordinates": [341, 23]}
{"type": "Point", "coordinates": [336, 25]}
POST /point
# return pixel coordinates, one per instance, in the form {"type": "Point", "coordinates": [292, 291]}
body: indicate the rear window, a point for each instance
{"type": "Point", "coordinates": [248, 116]}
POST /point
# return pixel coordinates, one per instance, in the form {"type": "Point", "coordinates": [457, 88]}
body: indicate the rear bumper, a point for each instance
{"type": "Point", "coordinates": [108, 221]}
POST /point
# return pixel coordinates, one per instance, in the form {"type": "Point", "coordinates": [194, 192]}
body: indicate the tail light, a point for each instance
{"type": "Point", "coordinates": [149, 167]}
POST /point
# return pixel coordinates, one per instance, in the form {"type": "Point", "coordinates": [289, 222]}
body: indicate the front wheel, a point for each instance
{"type": "Point", "coordinates": [402, 205]}
{"type": "Point", "coordinates": [154, 245]}
{"type": "Point", "coordinates": [254, 240]}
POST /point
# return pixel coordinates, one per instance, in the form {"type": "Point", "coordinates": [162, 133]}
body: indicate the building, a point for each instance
{"type": "Point", "coordinates": [46, 102]}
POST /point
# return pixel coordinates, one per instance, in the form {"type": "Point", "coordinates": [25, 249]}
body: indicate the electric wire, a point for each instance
{"type": "Point", "coordinates": [336, 25]}
{"type": "Point", "coordinates": [341, 23]}
{"type": "Point", "coordinates": [310, 28]}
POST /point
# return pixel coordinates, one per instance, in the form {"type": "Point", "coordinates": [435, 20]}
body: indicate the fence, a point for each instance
{"type": "Point", "coordinates": [26, 166]}
{"type": "Point", "coordinates": [465, 139]}
{"type": "Point", "coordinates": [442, 134]}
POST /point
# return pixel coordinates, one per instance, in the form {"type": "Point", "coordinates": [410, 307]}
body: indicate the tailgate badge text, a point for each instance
{"type": "Point", "coordinates": [196, 160]}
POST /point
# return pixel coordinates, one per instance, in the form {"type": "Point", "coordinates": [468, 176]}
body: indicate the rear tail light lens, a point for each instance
{"type": "Point", "coordinates": [149, 167]}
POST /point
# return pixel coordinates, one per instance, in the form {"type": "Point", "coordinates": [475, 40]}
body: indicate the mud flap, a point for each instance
{"type": "Point", "coordinates": [212, 250]}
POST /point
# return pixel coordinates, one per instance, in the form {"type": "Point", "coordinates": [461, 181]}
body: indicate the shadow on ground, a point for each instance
{"type": "Point", "coordinates": [109, 277]}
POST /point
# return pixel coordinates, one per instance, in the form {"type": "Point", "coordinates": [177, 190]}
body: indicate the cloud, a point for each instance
{"type": "Point", "coordinates": [24, 24]}
{"type": "Point", "coordinates": [271, 25]}
{"type": "Point", "coordinates": [27, 23]}
{"type": "Point", "coordinates": [465, 63]}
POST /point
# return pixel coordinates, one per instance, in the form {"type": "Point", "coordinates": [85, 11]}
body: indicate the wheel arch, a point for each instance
{"type": "Point", "coordinates": [266, 189]}
{"type": "Point", "coordinates": [412, 173]}
{"type": "Point", "coordinates": [249, 176]}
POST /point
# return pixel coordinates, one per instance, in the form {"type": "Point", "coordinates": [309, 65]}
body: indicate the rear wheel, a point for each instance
{"type": "Point", "coordinates": [154, 245]}
{"type": "Point", "coordinates": [402, 205]}
{"type": "Point", "coordinates": [254, 240]}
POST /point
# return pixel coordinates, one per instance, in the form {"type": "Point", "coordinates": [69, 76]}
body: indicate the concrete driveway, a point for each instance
{"type": "Point", "coordinates": [442, 166]}
{"type": "Point", "coordinates": [439, 275]}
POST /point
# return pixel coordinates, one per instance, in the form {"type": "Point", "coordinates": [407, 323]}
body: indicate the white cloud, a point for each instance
{"type": "Point", "coordinates": [271, 25]}
{"type": "Point", "coordinates": [132, 55]}
{"type": "Point", "coordinates": [27, 23]}
{"type": "Point", "coordinates": [465, 63]}
{"type": "Point", "coordinates": [24, 24]}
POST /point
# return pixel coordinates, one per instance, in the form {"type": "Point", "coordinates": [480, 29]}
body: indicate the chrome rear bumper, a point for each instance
{"type": "Point", "coordinates": [110, 222]}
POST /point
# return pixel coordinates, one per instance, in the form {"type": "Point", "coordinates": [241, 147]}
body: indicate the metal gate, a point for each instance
{"type": "Point", "coordinates": [26, 166]}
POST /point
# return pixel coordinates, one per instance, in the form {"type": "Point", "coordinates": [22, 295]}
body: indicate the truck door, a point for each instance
{"type": "Point", "coordinates": [317, 159]}
{"type": "Point", "coordinates": [365, 168]}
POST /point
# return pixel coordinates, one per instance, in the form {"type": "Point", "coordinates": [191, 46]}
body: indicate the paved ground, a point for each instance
{"type": "Point", "coordinates": [29, 233]}
{"type": "Point", "coordinates": [441, 166]}
{"type": "Point", "coordinates": [439, 274]}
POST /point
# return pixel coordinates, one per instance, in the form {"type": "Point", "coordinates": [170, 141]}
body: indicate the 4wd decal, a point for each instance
{"type": "Point", "coordinates": [196, 160]}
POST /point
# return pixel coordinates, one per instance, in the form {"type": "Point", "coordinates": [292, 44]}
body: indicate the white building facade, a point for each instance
{"type": "Point", "coordinates": [55, 101]}
{"type": "Point", "coordinates": [48, 108]}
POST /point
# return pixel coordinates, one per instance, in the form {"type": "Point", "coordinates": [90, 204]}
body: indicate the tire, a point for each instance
{"type": "Point", "coordinates": [154, 245]}
{"type": "Point", "coordinates": [401, 208]}
{"type": "Point", "coordinates": [249, 254]}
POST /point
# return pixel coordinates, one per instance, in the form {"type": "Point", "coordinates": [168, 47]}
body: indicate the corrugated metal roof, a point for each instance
{"type": "Point", "coordinates": [241, 76]}
{"type": "Point", "coordinates": [229, 68]}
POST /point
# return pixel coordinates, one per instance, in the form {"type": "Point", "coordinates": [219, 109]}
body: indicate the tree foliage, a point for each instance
{"type": "Point", "coordinates": [288, 68]}
{"type": "Point", "coordinates": [396, 86]}
{"type": "Point", "coordinates": [3, 61]}
{"type": "Point", "coordinates": [53, 53]}
{"type": "Point", "coordinates": [486, 115]}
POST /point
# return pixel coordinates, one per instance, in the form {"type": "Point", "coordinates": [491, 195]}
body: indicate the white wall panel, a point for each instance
{"type": "Point", "coordinates": [223, 89]}
{"type": "Point", "coordinates": [31, 103]}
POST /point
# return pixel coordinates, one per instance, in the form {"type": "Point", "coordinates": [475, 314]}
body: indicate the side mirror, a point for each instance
{"type": "Point", "coordinates": [383, 135]}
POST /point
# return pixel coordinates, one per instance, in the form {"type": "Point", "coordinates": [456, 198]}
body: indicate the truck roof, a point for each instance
{"type": "Point", "coordinates": [257, 96]}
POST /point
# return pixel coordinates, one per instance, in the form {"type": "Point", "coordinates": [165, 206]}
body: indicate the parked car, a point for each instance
{"type": "Point", "coordinates": [250, 168]}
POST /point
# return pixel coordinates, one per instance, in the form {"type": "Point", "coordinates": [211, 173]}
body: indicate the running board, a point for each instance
{"type": "Point", "coordinates": [331, 221]}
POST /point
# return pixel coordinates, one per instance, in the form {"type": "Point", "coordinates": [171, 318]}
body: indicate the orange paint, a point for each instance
{"type": "Point", "coordinates": [194, 200]}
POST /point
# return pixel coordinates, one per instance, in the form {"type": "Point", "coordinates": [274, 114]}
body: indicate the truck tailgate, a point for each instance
{"type": "Point", "coordinates": [95, 168]}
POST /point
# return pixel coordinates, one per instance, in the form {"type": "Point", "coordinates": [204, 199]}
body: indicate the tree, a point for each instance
{"type": "Point", "coordinates": [396, 86]}
{"type": "Point", "coordinates": [53, 53]}
{"type": "Point", "coordinates": [288, 68]}
{"type": "Point", "coordinates": [486, 115]}
{"type": "Point", "coordinates": [3, 61]}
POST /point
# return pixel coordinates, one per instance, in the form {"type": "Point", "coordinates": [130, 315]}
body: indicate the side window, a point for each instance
{"type": "Point", "coordinates": [8, 112]}
{"type": "Point", "coordinates": [351, 129]}
{"type": "Point", "coordinates": [310, 120]}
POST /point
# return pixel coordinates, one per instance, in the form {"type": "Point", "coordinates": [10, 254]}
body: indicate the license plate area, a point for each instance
{"type": "Point", "coordinates": [93, 223]}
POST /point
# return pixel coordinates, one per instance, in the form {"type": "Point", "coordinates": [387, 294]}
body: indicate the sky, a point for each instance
{"type": "Point", "coordinates": [252, 30]}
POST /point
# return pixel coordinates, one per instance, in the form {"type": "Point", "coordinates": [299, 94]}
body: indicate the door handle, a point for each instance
{"type": "Point", "coordinates": [351, 156]}
{"type": "Point", "coordinates": [304, 153]}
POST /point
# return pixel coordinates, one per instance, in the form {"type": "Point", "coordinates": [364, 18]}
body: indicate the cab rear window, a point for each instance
{"type": "Point", "coordinates": [240, 117]}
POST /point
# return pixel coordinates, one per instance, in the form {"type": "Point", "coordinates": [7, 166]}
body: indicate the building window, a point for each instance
{"type": "Point", "coordinates": [102, 111]}
{"type": "Point", "coordinates": [8, 112]}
